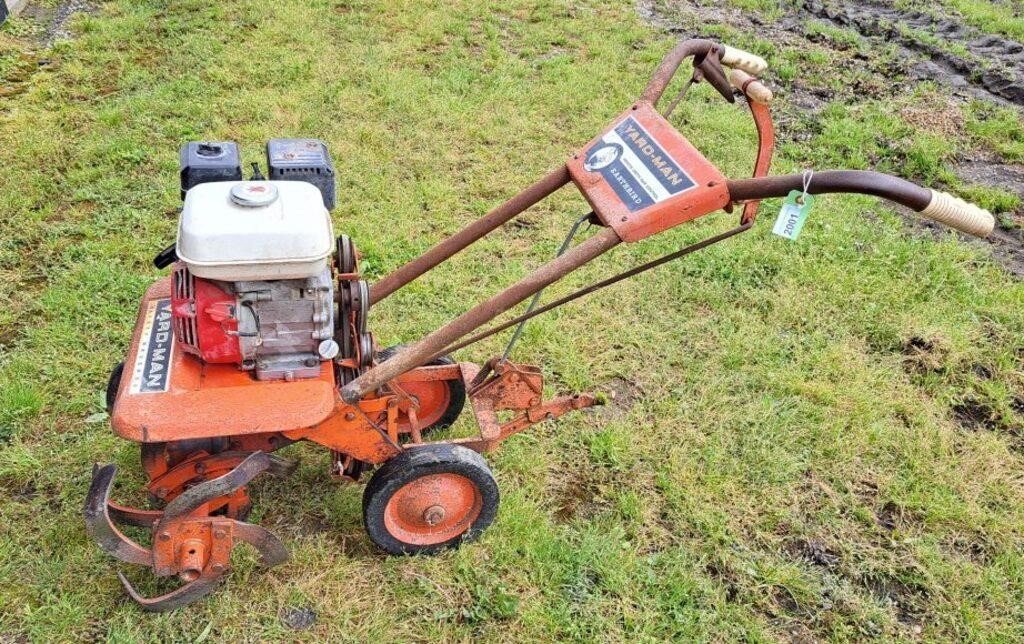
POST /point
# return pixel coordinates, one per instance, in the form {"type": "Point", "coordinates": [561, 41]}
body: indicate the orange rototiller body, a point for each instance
{"type": "Point", "coordinates": [259, 338]}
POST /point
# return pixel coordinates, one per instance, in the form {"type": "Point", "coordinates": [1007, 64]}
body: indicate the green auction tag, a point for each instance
{"type": "Point", "coordinates": [793, 214]}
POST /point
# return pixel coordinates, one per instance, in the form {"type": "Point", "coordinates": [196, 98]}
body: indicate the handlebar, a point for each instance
{"type": "Point", "coordinates": [939, 206]}
{"type": "Point", "coordinates": [708, 58]}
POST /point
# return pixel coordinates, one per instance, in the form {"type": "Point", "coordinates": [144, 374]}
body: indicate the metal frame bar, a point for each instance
{"type": "Point", "coordinates": [470, 234]}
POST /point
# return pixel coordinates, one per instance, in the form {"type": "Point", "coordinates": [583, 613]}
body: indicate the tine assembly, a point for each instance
{"type": "Point", "coordinates": [187, 540]}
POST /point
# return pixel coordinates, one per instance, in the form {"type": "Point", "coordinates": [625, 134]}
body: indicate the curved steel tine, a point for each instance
{"type": "Point", "coordinates": [271, 550]}
{"type": "Point", "coordinates": [101, 528]}
{"type": "Point", "coordinates": [178, 597]}
{"type": "Point", "coordinates": [196, 496]}
{"type": "Point", "coordinates": [125, 515]}
{"type": "Point", "coordinates": [281, 466]}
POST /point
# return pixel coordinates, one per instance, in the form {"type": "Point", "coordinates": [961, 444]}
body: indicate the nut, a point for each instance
{"type": "Point", "coordinates": [434, 515]}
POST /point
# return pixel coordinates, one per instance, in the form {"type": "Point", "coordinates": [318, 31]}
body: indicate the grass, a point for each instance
{"type": "Point", "coordinates": [817, 439]}
{"type": "Point", "coordinates": [999, 129]}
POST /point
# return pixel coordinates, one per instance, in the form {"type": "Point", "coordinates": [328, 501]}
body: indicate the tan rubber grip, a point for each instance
{"type": "Point", "coordinates": [739, 59]}
{"type": "Point", "coordinates": [957, 213]}
{"type": "Point", "coordinates": [753, 88]}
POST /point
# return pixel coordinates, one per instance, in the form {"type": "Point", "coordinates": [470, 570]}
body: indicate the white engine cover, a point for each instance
{"type": "Point", "coordinates": [284, 232]}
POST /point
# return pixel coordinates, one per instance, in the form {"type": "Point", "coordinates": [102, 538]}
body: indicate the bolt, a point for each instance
{"type": "Point", "coordinates": [350, 416]}
{"type": "Point", "coordinates": [217, 567]}
{"type": "Point", "coordinates": [219, 534]}
{"type": "Point", "coordinates": [434, 515]}
{"type": "Point", "coordinates": [312, 362]}
{"type": "Point", "coordinates": [165, 536]}
{"type": "Point", "coordinates": [200, 468]}
{"type": "Point", "coordinates": [625, 218]}
{"type": "Point", "coordinates": [535, 402]}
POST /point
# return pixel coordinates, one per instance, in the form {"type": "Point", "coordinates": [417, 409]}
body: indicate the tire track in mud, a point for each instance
{"type": "Point", "coordinates": [993, 63]}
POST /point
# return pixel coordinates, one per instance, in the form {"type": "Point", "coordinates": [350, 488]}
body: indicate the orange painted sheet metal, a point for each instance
{"type": "Point", "coordinates": [167, 395]}
{"type": "Point", "coordinates": [641, 176]}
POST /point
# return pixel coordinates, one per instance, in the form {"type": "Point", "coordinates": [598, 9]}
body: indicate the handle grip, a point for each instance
{"type": "Point", "coordinates": [957, 213]}
{"type": "Point", "coordinates": [753, 88]}
{"type": "Point", "coordinates": [940, 206]}
{"type": "Point", "coordinates": [743, 60]}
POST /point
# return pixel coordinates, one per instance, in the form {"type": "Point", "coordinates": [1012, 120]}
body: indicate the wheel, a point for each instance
{"type": "Point", "coordinates": [441, 401]}
{"type": "Point", "coordinates": [429, 499]}
{"type": "Point", "coordinates": [113, 383]}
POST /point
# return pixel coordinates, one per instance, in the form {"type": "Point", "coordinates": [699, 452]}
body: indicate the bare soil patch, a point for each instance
{"type": "Point", "coordinates": [55, 20]}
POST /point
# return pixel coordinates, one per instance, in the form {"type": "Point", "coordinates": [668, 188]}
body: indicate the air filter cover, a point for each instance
{"type": "Point", "coordinates": [282, 231]}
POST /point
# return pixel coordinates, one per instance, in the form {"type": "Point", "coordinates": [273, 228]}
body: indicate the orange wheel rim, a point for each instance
{"type": "Point", "coordinates": [433, 509]}
{"type": "Point", "coordinates": [433, 398]}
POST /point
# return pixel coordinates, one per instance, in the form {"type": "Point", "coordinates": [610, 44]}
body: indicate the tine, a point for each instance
{"type": "Point", "coordinates": [271, 550]}
{"type": "Point", "coordinates": [131, 516]}
{"type": "Point", "coordinates": [101, 528]}
{"type": "Point", "coordinates": [281, 466]}
{"type": "Point", "coordinates": [178, 597]}
{"type": "Point", "coordinates": [194, 497]}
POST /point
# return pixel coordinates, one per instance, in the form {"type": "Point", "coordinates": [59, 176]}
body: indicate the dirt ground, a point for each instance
{"type": "Point", "coordinates": [54, 18]}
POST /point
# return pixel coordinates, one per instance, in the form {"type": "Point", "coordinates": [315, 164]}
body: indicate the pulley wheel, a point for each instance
{"type": "Point", "coordinates": [346, 257]}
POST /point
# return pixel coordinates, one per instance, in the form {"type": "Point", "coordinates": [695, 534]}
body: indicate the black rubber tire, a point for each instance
{"type": "Point", "coordinates": [113, 383]}
{"type": "Point", "coordinates": [422, 461]}
{"type": "Point", "coordinates": [457, 388]}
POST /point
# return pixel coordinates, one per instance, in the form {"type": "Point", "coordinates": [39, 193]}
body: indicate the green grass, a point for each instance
{"type": "Point", "coordinates": [792, 451]}
{"type": "Point", "coordinates": [993, 17]}
{"type": "Point", "coordinates": [997, 128]}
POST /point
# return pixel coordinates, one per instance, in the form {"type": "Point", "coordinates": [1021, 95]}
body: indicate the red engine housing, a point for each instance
{"type": "Point", "coordinates": [204, 318]}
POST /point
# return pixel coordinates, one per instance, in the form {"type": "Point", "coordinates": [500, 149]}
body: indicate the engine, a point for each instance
{"type": "Point", "coordinates": [253, 284]}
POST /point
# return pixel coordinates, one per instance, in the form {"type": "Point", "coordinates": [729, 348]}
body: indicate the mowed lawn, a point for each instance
{"type": "Point", "coordinates": [819, 439]}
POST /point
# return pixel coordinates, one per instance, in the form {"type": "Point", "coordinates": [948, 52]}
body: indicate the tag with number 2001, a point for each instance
{"type": "Point", "coordinates": [793, 215]}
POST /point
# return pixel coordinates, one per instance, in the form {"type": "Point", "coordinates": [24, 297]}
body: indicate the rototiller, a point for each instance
{"type": "Point", "coordinates": [258, 339]}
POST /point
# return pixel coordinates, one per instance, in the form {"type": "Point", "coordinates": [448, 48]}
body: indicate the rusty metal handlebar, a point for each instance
{"type": "Point", "coordinates": [708, 58]}
{"type": "Point", "coordinates": [940, 206]}
{"type": "Point", "coordinates": [706, 62]}
{"type": "Point", "coordinates": [881, 185]}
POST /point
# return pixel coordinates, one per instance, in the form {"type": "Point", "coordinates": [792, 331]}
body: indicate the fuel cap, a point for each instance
{"type": "Point", "coordinates": [253, 194]}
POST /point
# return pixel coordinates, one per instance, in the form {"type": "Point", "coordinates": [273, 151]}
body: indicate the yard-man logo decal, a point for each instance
{"type": "Point", "coordinates": [151, 372]}
{"type": "Point", "coordinates": [636, 167]}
